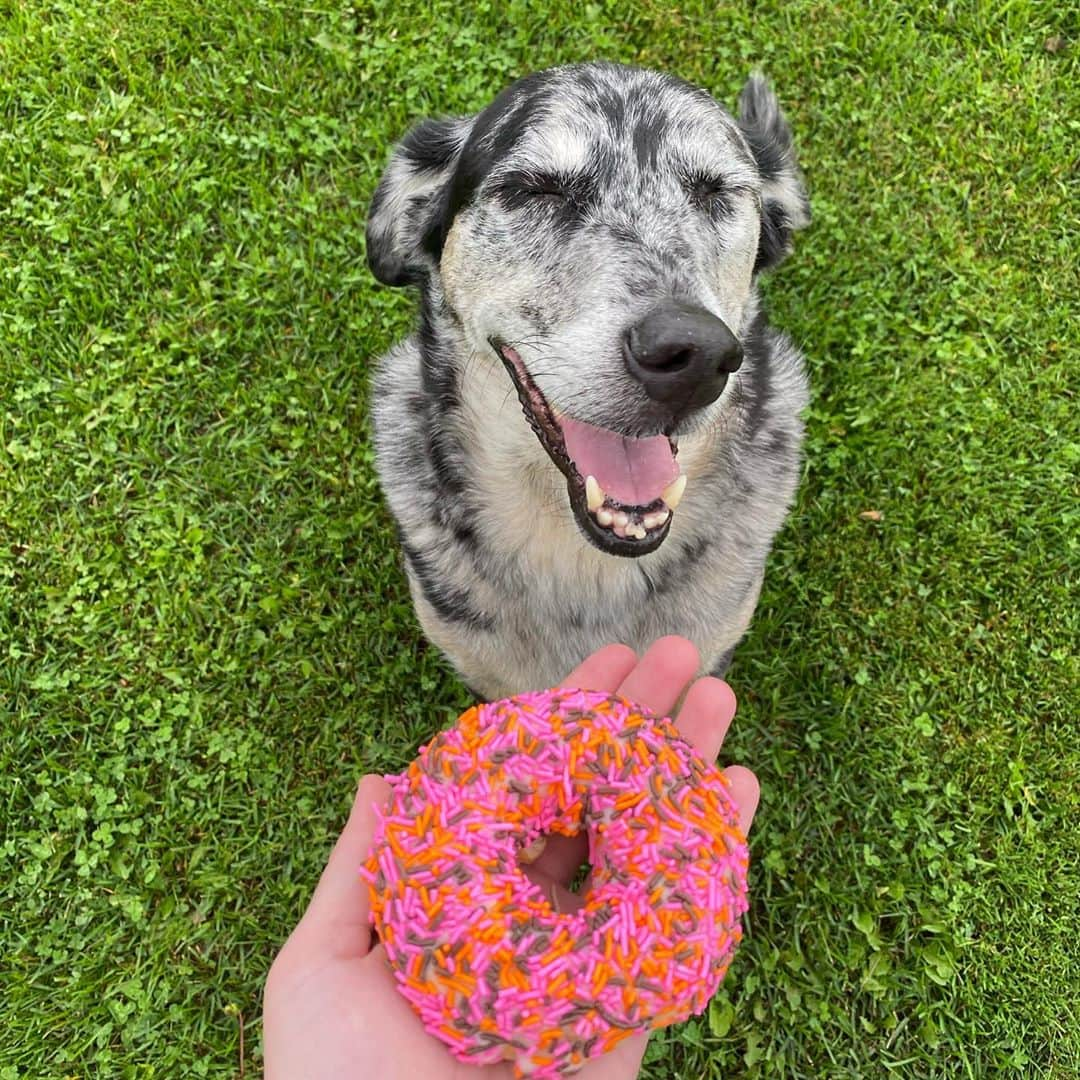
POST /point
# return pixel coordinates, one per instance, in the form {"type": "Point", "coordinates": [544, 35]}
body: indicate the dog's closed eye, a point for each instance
{"type": "Point", "coordinates": [519, 189]}
{"type": "Point", "coordinates": [709, 193]}
{"type": "Point", "coordinates": [544, 187]}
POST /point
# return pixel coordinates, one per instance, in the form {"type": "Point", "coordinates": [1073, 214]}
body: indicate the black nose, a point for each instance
{"type": "Point", "coordinates": [682, 355]}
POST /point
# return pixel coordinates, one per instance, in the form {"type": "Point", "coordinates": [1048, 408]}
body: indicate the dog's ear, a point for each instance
{"type": "Point", "coordinates": [410, 198]}
{"type": "Point", "coordinates": [784, 203]}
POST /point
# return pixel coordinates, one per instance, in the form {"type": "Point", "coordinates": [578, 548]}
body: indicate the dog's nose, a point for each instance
{"type": "Point", "coordinates": [682, 355]}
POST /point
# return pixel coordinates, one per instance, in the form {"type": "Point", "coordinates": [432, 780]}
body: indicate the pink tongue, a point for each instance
{"type": "Point", "coordinates": [631, 471]}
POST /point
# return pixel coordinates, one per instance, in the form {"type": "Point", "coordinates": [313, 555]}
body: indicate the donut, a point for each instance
{"type": "Point", "coordinates": [481, 953]}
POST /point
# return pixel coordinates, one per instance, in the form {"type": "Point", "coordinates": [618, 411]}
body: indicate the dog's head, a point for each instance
{"type": "Point", "coordinates": [598, 229]}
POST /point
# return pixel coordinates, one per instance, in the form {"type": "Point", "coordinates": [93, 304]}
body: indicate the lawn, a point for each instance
{"type": "Point", "coordinates": [205, 635]}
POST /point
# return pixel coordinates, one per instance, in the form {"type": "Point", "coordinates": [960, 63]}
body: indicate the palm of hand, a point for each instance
{"type": "Point", "coordinates": [331, 1008]}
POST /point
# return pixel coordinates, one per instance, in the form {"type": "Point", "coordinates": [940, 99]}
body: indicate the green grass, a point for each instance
{"type": "Point", "coordinates": [205, 636]}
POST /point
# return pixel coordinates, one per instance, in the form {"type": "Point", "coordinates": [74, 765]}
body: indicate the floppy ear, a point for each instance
{"type": "Point", "coordinates": [784, 203]}
{"type": "Point", "coordinates": [409, 200]}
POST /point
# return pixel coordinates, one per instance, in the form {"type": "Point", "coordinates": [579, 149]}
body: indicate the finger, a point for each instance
{"type": "Point", "coordinates": [745, 790]}
{"type": "Point", "coordinates": [706, 715]}
{"type": "Point", "coordinates": [604, 670]}
{"type": "Point", "coordinates": [336, 920]}
{"type": "Point", "coordinates": [561, 857]}
{"type": "Point", "coordinates": [661, 675]}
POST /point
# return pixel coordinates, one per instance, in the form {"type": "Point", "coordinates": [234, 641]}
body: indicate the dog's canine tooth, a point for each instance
{"type": "Point", "coordinates": [673, 493]}
{"type": "Point", "coordinates": [594, 494]}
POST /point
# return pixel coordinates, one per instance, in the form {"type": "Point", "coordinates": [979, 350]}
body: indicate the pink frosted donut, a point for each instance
{"type": "Point", "coordinates": [491, 968]}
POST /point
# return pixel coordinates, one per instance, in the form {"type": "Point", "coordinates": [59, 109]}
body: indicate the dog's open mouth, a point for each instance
{"type": "Point", "coordinates": [622, 490]}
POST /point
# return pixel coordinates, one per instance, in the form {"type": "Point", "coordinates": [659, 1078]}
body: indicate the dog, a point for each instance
{"type": "Point", "coordinates": [594, 435]}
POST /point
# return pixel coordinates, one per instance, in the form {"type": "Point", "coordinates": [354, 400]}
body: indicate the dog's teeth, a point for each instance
{"type": "Point", "coordinates": [621, 519]}
{"type": "Point", "coordinates": [594, 493]}
{"type": "Point", "coordinates": [673, 493]}
{"type": "Point", "coordinates": [605, 517]}
{"type": "Point", "coordinates": [657, 517]}
{"type": "Point", "coordinates": [637, 532]}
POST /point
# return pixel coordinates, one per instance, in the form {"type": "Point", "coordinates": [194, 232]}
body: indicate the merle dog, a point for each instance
{"type": "Point", "coordinates": [594, 435]}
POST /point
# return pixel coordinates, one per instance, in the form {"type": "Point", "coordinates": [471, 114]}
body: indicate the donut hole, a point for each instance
{"type": "Point", "coordinates": [557, 864]}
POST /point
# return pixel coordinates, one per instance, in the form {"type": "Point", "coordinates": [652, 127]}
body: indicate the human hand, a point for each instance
{"type": "Point", "coordinates": [331, 1006]}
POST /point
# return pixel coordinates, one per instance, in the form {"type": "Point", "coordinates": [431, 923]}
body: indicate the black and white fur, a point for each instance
{"type": "Point", "coordinates": [552, 220]}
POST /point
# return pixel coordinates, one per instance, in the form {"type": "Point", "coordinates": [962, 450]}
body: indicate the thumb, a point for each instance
{"type": "Point", "coordinates": [336, 921]}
